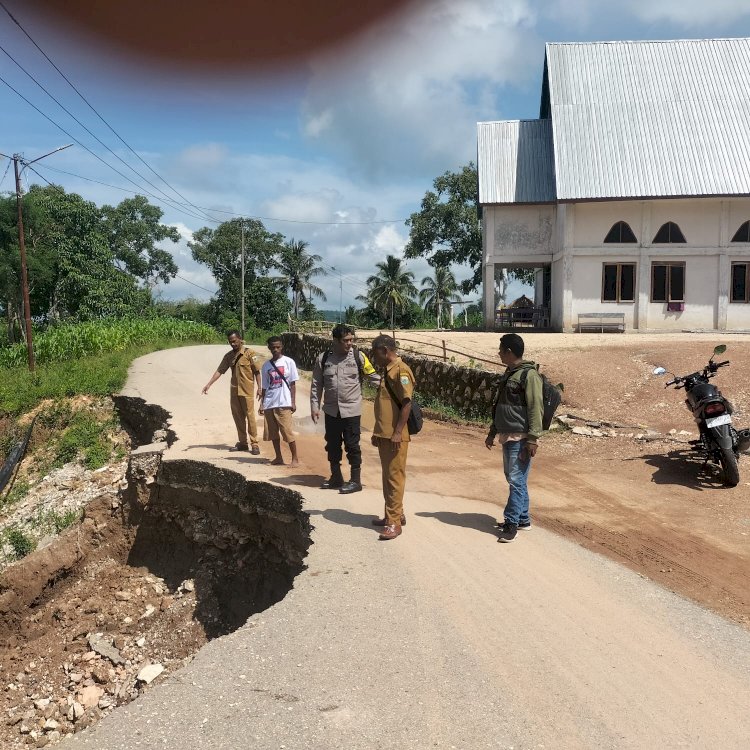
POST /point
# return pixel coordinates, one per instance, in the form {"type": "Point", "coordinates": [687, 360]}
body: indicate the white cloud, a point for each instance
{"type": "Point", "coordinates": [407, 97]}
{"type": "Point", "coordinates": [688, 15]}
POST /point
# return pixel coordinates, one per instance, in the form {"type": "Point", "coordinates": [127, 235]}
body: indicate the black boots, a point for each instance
{"type": "Point", "coordinates": [336, 480]}
{"type": "Point", "coordinates": [354, 484]}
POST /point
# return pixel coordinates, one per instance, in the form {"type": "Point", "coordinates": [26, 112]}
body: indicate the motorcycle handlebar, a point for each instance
{"type": "Point", "coordinates": [722, 364]}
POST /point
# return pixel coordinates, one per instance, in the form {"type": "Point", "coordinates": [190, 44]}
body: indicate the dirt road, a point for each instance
{"type": "Point", "coordinates": [444, 638]}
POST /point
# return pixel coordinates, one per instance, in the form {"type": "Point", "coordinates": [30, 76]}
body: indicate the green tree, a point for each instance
{"type": "Point", "coordinates": [298, 268]}
{"type": "Point", "coordinates": [447, 228]}
{"type": "Point", "coordinates": [71, 266]}
{"type": "Point", "coordinates": [438, 290]}
{"type": "Point", "coordinates": [220, 249]}
{"type": "Point", "coordinates": [391, 288]}
{"type": "Point", "coordinates": [133, 228]}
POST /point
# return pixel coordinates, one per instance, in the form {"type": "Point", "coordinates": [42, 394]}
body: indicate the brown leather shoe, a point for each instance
{"type": "Point", "coordinates": [255, 450]}
{"type": "Point", "coordinates": [384, 522]}
{"type": "Point", "coordinates": [390, 532]}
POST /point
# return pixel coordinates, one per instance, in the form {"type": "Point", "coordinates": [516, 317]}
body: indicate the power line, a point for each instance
{"type": "Point", "coordinates": [92, 134]}
{"type": "Point", "coordinates": [96, 156]}
{"type": "Point", "coordinates": [93, 109]}
{"type": "Point", "coordinates": [182, 278]}
{"type": "Point", "coordinates": [5, 173]}
{"type": "Point", "coordinates": [219, 210]}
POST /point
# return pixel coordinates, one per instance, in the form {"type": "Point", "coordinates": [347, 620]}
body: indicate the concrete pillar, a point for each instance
{"type": "Point", "coordinates": [722, 302]}
{"type": "Point", "coordinates": [725, 270]}
{"type": "Point", "coordinates": [489, 295]}
{"type": "Point", "coordinates": [568, 237]}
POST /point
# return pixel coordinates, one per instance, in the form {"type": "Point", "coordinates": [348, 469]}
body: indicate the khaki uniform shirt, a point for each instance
{"type": "Point", "coordinates": [338, 386]}
{"type": "Point", "coordinates": [244, 365]}
{"type": "Point", "coordinates": [401, 379]}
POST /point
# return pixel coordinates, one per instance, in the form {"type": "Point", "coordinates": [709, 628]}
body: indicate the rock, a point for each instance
{"type": "Point", "coordinates": [123, 596]}
{"type": "Point", "coordinates": [587, 431]}
{"type": "Point", "coordinates": [188, 585]}
{"type": "Point", "coordinates": [42, 741]}
{"type": "Point", "coordinates": [24, 728]}
{"type": "Point", "coordinates": [75, 677]}
{"type": "Point", "coordinates": [107, 650]}
{"type": "Point", "coordinates": [105, 702]}
{"type": "Point", "coordinates": [141, 642]}
{"type": "Point", "coordinates": [89, 696]}
{"type": "Point", "coordinates": [54, 736]}
{"type": "Point", "coordinates": [42, 703]}
{"type": "Point", "coordinates": [673, 431]}
{"type": "Point", "coordinates": [150, 672]}
{"type": "Point", "coordinates": [78, 710]}
{"type": "Point", "coordinates": [150, 609]}
{"type": "Point", "coordinates": [50, 725]}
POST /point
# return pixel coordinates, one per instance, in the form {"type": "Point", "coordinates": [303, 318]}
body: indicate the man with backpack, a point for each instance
{"type": "Point", "coordinates": [517, 424]}
{"type": "Point", "coordinates": [337, 383]}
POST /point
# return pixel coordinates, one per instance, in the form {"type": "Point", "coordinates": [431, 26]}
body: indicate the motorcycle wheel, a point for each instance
{"type": "Point", "coordinates": [730, 468]}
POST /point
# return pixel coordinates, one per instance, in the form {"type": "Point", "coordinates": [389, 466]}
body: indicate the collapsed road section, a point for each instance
{"type": "Point", "coordinates": [185, 553]}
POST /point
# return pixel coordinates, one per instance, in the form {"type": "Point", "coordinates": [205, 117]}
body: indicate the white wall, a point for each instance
{"type": "Point", "coordinates": [520, 233]}
{"type": "Point", "coordinates": [571, 236]}
{"type": "Point", "coordinates": [587, 291]}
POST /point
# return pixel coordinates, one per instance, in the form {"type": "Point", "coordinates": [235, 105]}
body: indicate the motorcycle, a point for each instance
{"type": "Point", "coordinates": [719, 442]}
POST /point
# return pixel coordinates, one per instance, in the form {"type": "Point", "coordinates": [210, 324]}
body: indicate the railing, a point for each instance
{"type": "Point", "coordinates": [444, 349]}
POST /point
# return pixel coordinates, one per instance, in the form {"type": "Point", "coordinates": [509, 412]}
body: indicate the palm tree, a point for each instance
{"type": "Point", "coordinates": [391, 287]}
{"type": "Point", "coordinates": [437, 290]}
{"type": "Point", "coordinates": [298, 267]}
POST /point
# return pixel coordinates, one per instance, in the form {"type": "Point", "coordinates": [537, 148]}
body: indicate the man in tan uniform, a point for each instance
{"type": "Point", "coordinates": [391, 436]}
{"type": "Point", "coordinates": [245, 384]}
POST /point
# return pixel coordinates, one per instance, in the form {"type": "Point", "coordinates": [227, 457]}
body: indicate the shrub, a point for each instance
{"type": "Point", "coordinates": [21, 543]}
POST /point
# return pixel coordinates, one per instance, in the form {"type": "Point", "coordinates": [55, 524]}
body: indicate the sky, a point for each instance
{"type": "Point", "coordinates": [339, 150]}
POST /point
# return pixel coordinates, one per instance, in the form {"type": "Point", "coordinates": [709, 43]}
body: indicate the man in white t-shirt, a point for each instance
{"type": "Point", "coordinates": [278, 378]}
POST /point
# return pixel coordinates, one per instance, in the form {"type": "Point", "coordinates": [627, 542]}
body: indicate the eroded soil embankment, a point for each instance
{"type": "Point", "coordinates": [187, 553]}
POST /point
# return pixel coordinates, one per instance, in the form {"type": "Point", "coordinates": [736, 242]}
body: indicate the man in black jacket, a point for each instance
{"type": "Point", "coordinates": [517, 425]}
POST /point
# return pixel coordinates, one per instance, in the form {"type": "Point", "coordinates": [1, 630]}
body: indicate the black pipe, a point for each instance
{"type": "Point", "coordinates": [15, 456]}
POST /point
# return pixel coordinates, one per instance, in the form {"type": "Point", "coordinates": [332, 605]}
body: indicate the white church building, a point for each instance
{"type": "Point", "coordinates": [631, 192]}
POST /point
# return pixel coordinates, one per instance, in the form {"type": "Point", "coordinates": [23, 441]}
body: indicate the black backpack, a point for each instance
{"type": "Point", "coordinates": [551, 396]}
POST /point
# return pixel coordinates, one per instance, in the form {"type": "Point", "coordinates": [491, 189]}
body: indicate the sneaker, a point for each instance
{"type": "Point", "coordinates": [508, 533]}
{"type": "Point", "coordinates": [255, 450]}
{"type": "Point", "coordinates": [525, 525]}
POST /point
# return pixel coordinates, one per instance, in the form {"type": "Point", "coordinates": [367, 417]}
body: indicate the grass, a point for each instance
{"type": "Point", "coordinates": [71, 342]}
{"type": "Point", "coordinates": [85, 436]}
{"type": "Point", "coordinates": [20, 543]}
{"type": "Point", "coordinates": [94, 375]}
{"type": "Point", "coordinates": [17, 492]}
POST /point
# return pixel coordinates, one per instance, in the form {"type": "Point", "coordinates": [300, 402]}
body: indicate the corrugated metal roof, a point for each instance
{"type": "Point", "coordinates": [648, 119]}
{"type": "Point", "coordinates": [515, 162]}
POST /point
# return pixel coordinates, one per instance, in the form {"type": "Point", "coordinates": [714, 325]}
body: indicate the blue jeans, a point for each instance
{"type": "Point", "coordinates": [517, 474]}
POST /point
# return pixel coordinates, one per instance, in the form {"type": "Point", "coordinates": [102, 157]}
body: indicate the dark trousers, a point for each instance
{"type": "Point", "coordinates": [343, 430]}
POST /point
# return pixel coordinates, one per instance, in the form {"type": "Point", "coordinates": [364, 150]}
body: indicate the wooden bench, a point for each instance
{"type": "Point", "coordinates": [600, 321]}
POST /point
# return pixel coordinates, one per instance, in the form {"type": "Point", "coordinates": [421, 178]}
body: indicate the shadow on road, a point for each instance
{"type": "Point", "coordinates": [478, 521]}
{"type": "Point", "coordinates": [345, 517]}
{"type": "Point", "coordinates": [306, 480]}
{"type": "Point", "coordinates": [680, 467]}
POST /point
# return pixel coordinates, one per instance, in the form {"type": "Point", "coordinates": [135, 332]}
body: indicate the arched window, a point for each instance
{"type": "Point", "coordinates": [743, 233]}
{"type": "Point", "coordinates": [620, 233]}
{"type": "Point", "coordinates": [669, 233]}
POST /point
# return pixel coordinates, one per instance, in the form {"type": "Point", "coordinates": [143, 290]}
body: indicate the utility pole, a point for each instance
{"type": "Point", "coordinates": [341, 292]}
{"type": "Point", "coordinates": [242, 281]}
{"type": "Point", "coordinates": [24, 272]}
{"type": "Point", "coordinates": [22, 248]}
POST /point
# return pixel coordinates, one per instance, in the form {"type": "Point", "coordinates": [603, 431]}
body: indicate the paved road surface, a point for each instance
{"type": "Point", "coordinates": [440, 639]}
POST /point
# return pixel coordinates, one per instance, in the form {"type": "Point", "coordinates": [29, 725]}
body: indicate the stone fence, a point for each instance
{"type": "Point", "coordinates": [467, 390]}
